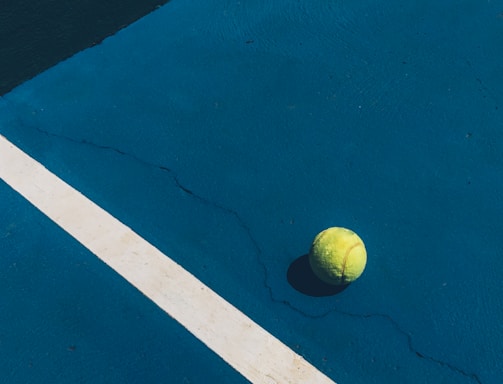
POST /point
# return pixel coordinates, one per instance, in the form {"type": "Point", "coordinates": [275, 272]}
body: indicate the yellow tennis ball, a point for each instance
{"type": "Point", "coordinates": [337, 256]}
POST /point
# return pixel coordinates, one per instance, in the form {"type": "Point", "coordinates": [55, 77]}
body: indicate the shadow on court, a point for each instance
{"type": "Point", "coordinates": [302, 278]}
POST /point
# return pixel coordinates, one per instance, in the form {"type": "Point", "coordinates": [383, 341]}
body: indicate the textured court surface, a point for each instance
{"type": "Point", "coordinates": [228, 134]}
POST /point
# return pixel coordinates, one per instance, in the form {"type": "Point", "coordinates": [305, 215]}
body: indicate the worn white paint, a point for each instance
{"type": "Point", "coordinates": [250, 349]}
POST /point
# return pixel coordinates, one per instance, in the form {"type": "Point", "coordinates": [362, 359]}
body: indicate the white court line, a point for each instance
{"type": "Point", "coordinates": [242, 343]}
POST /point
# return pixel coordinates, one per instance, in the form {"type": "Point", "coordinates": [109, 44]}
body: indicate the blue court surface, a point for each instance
{"type": "Point", "coordinates": [228, 134]}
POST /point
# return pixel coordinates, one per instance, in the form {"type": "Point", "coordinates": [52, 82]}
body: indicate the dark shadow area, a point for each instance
{"type": "Point", "coordinates": [35, 35]}
{"type": "Point", "coordinates": [302, 278]}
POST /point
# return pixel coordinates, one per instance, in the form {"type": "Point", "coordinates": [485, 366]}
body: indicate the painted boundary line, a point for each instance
{"type": "Point", "coordinates": [242, 343]}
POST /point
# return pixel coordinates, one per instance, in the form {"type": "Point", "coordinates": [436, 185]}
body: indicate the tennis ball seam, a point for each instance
{"type": "Point", "coordinates": [344, 260]}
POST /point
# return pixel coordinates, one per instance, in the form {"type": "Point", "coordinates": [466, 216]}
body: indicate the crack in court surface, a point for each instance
{"type": "Point", "coordinates": [237, 339]}
{"type": "Point", "coordinates": [473, 376]}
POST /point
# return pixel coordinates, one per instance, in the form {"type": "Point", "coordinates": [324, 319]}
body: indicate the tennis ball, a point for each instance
{"type": "Point", "coordinates": [337, 256]}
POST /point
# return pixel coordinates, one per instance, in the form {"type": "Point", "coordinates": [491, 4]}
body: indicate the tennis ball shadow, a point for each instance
{"type": "Point", "coordinates": [302, 278]}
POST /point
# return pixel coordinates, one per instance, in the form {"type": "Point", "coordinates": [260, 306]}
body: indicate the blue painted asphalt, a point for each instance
{"type": "Point", "coordinates": [229, 134]}
{"type": "Point", "coordinates": [66, 317]}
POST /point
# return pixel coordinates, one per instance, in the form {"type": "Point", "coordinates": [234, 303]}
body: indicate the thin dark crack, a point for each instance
{"type": "Point", "coordinates": [410, 344]}
{"type": "Point", "coordinates": [258, 251]}
{"type": "Point", "coordinates": [186, 190]}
